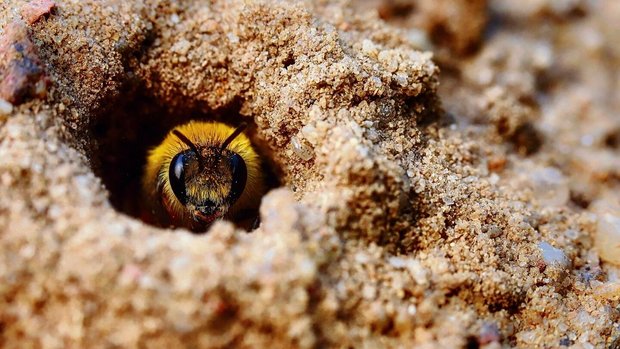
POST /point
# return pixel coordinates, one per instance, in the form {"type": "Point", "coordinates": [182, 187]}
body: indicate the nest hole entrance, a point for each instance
{"type": "Point", "coordinates": [128, 129]}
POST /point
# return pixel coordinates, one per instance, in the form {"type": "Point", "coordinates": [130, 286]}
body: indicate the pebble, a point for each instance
{"type": "Point", "coordinates": [369, 48]}
{"type": "Point", "coordinates": [181, 47]}
{"type": "Point", "coordinates": [417, 272]}
{"type": "Point", "coordinates": [552, 255]}
{"type": "Point", "coordinates": [34, 10]}
{"type": "Point", "coordinates": [494, 231]}
{"type": "Point", "coordinates": [419, 39]}
{"type": "Point", "coordinates": [302, 150]}
{"type": "Point", "coordinates": [232, 38]}
{"type": "Point", "coordinates": [6, 108]}
{"type": "Point", "coordinates": [310, 133]}
{"type": "Point", "coordinates": [607, 238]}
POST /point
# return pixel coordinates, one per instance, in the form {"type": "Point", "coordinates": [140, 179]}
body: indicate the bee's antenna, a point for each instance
{"type": "Point", "coordinates": [190, 144]}
{"type": "Point", "coordinates": [233, 135]}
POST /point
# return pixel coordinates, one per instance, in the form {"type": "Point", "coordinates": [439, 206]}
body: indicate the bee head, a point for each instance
{"type": "Point", "coordinates": [207, 181]}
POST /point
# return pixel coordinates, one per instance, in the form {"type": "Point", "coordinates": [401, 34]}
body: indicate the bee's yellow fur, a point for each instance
{"type": "Point", "coordinates": [164, 207]}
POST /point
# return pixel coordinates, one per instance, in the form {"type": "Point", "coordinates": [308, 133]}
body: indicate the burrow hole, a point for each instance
{"type": "Point", "coordinates": [129, 127]}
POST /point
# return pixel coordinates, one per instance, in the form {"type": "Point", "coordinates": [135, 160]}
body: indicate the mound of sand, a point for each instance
{"type": "Point", "coordinates": [464, 209]}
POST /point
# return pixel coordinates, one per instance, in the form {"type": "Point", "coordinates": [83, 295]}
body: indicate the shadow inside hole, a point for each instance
{"type": "Point", "coordinates": [126, 131]}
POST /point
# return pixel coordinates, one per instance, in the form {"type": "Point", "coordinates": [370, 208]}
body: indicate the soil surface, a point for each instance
{"type": "Point", "coordinates": [445, 173]}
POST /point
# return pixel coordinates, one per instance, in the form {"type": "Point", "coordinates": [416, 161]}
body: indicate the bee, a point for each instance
{"type": "Point", "coordinates": [201, 172]}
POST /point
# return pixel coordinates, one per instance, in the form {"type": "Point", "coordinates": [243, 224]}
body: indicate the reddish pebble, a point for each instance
{"type": "Point", "coordinates": [497, 163]}
{"type": "Point", "coordinates": [21, 71]}
{"type": "Point", "coordinates": [32, 11]}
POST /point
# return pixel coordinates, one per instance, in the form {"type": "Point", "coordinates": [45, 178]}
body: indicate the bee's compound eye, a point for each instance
{"type": "Point", "coordinates": [176, 174]}
{"type": "Point", "coordinates": [239, 177]}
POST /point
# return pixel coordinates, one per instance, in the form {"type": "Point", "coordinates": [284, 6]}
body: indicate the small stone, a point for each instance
{"type": "Point", "coordinates": [607, 238]}
{"type": "Point", "coordinates": [34, 10]}
{"type": "Point", "coordinates": [369, 48]}
{"type": "Point", "coordinates": [447, 200]}
{"type": "Point", "coordinates": [496, 163]}
{"type": "Point", "coordinates": [302, 150]}
{"type": "Point", "coordinates": [389, 62]}
{"type": "Point", "coordinates": [22, 74]}
{"type": "Point", "coordinates": [417, 272]}
{"type": "Point", "coordinates": [234, 39]}
{"type": "Point", "coordinates": [40, 89]}
{"type": "Point", "coordinates": [494, 231]}
{"type": "Point", "coordinates": [552, 255]}
{"type": "Point", "coordinates": [6, 108]}
{"type": "Point", "coordinates": [310, 133]}
{"type": "Point", "coordinates": [418, 38]}
{"type": "Point", "coordinates": [181, 47]}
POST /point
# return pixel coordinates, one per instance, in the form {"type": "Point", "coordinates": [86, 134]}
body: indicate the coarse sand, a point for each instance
{"type": "Point", "coordinates": [444, 173]}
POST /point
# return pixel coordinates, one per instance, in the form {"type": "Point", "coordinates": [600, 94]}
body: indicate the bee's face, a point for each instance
{"type": "Point", "coordinates": [209, 183]}
{"type": "Point", "coordinates": [200, 172]}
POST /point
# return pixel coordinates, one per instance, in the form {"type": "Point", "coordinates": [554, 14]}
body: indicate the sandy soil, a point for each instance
{"type": "Point", "coordinates": [446, 173]}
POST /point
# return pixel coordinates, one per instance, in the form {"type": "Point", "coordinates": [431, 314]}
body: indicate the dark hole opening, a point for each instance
{"type": "Point", "coordinates": [126, 131]}
{"type": "Point", "coordinates": [612, 139]}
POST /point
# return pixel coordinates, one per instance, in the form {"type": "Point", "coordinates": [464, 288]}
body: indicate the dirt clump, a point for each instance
{"type": "Point", "coordinates": [414, 208]}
